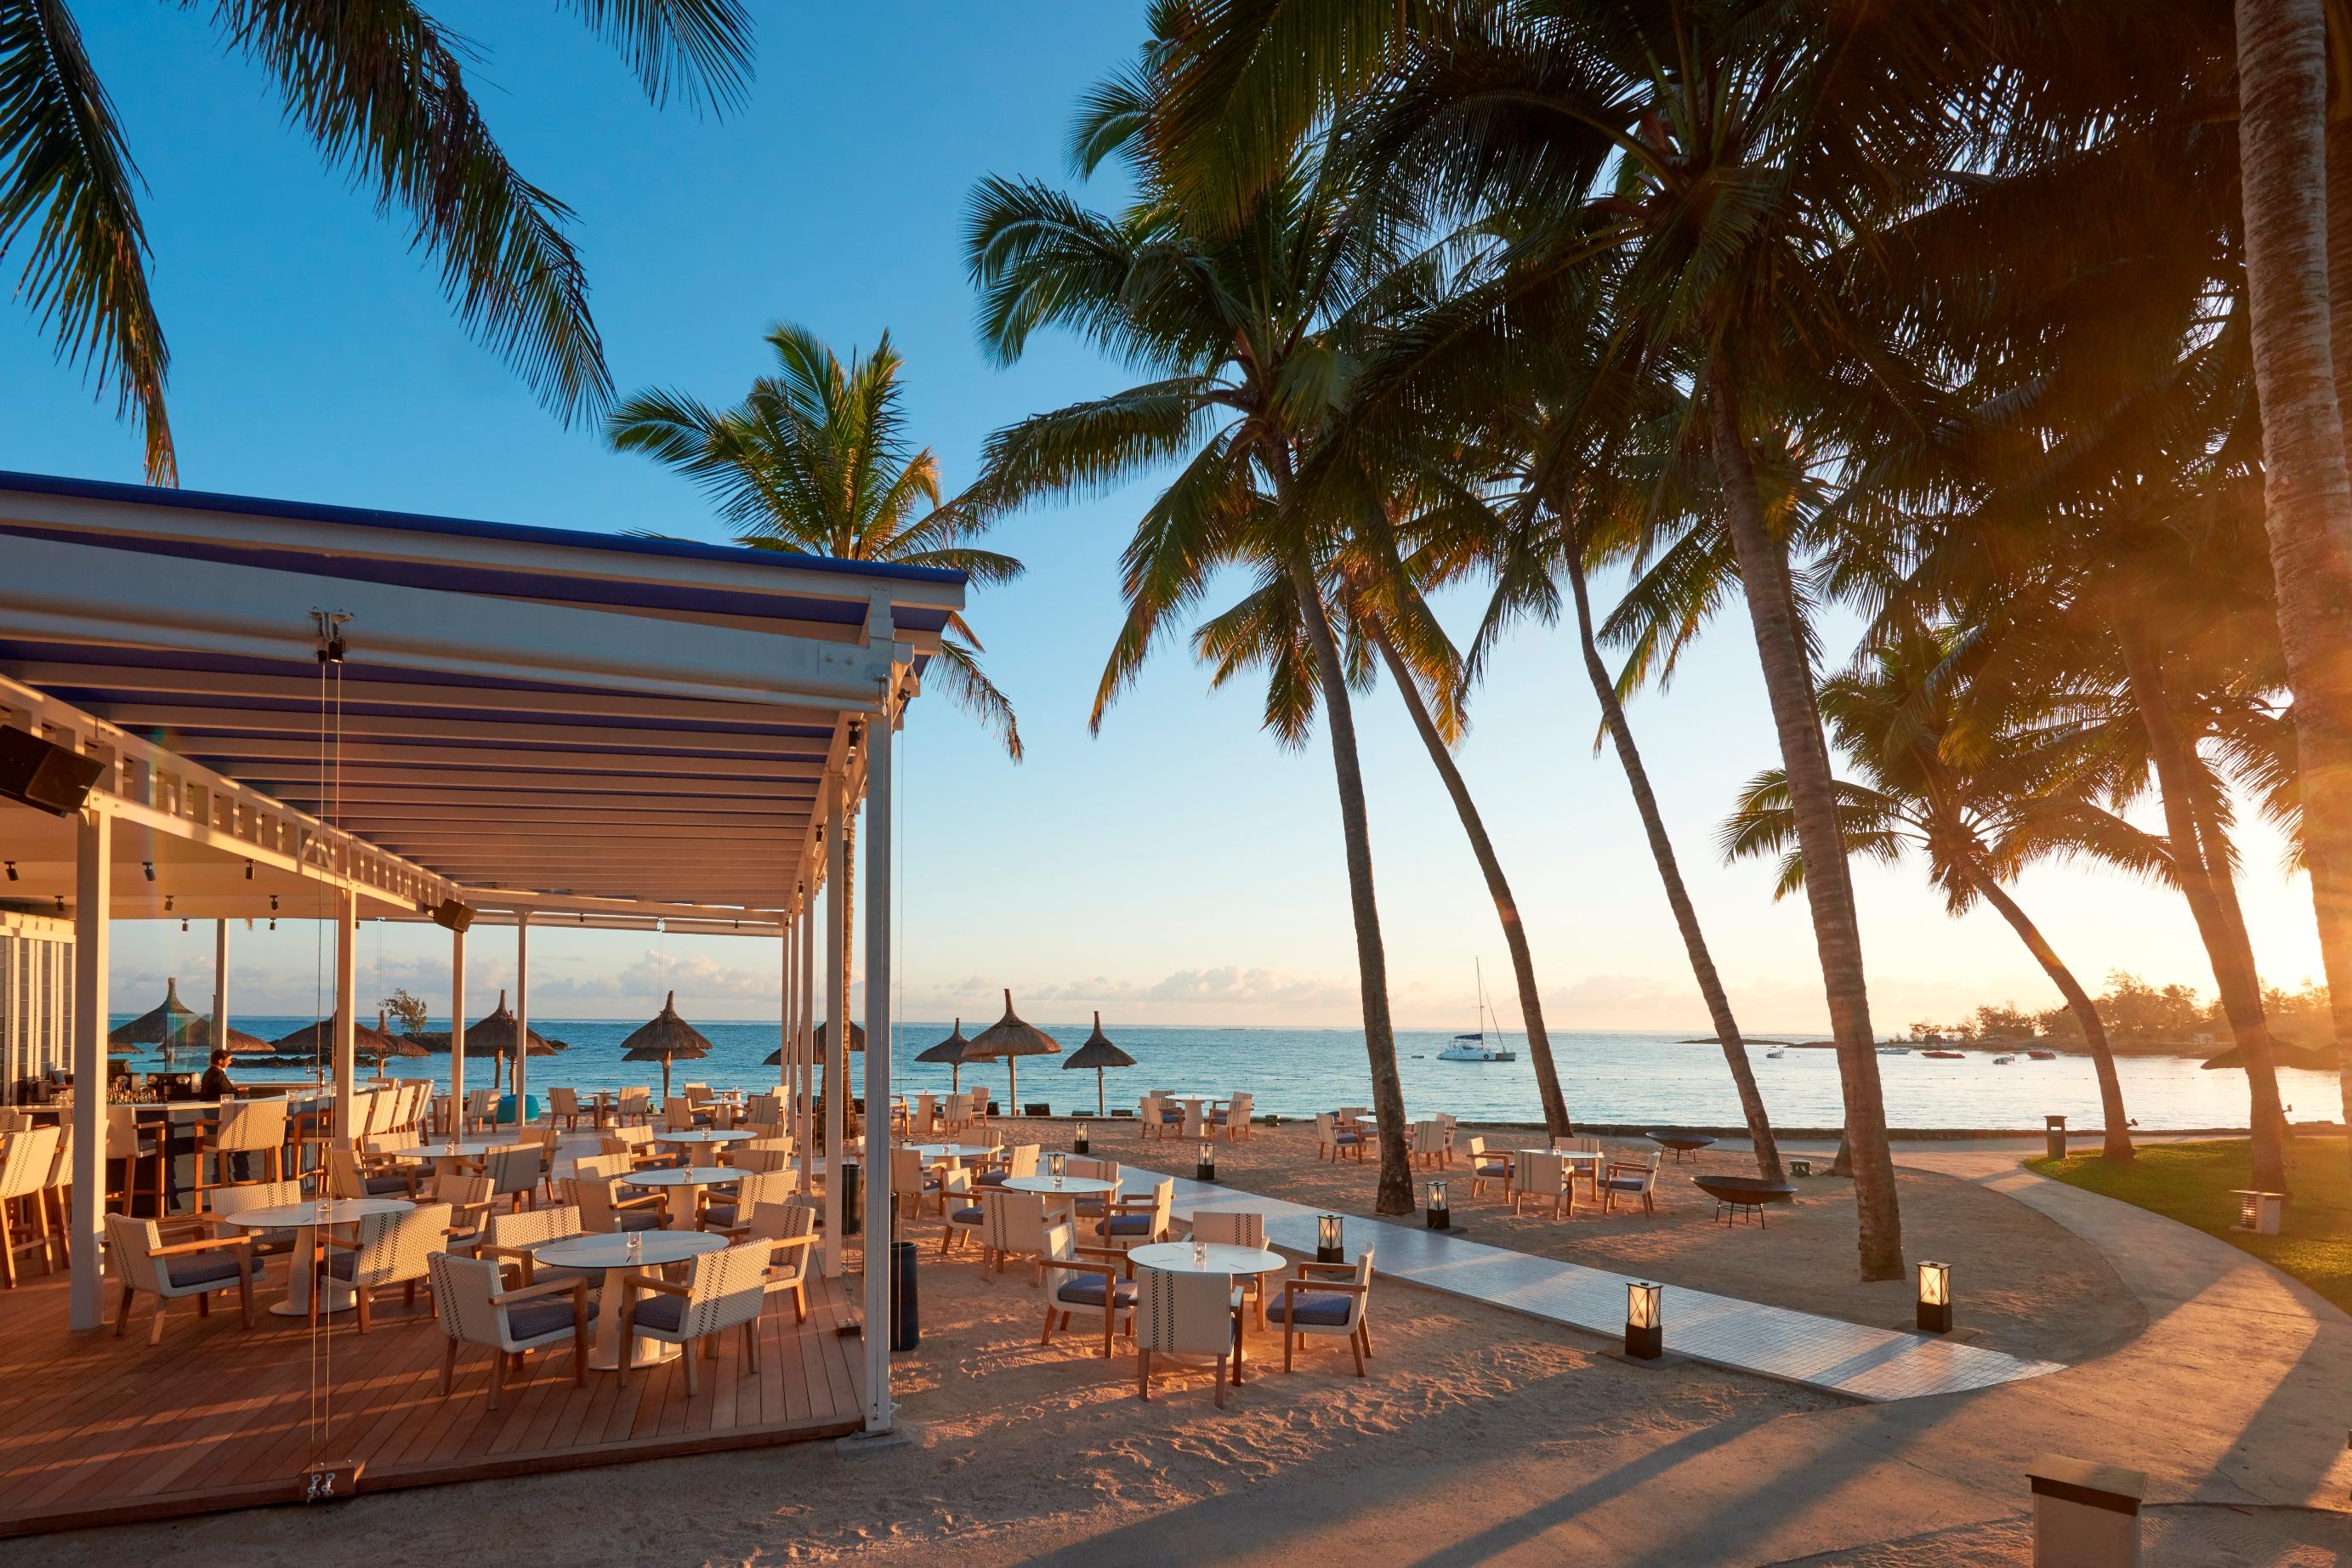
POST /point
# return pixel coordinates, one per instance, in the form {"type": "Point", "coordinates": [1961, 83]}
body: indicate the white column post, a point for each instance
{"type": "Point", "coordinates": [879, 1260]}
{"type": "Point", "coordinates": [803, 1049]}
{"type": "Point", "coordinates": [836, 1007]}
{"type": "Point", "coordinates": [522, 1009]}
{"type": "Point", "coordinates": [784, 1010]}
{"type": "Point", "coordinates": [93, 918]}
{"type": "Point", "coordinates": [457, 1034]}
{"type": "Point", "coordinates": [220, 984]}
{"type": "Point", "coordinates": [347, 966]}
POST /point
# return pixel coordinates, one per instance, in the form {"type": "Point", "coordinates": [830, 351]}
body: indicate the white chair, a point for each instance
{"type": "Point", "coordinates": [141, 1262]}
{"type": "Point", "coordinates": [1331, 1139]}
{"type": "Point", "coordinates": [595, 1193]}
{"type": "Point", "coordinates": [790, 1231]}
{"type": "Point", "coordinates": [976, 1111]}
{"type": "Point", "coordinates": [515, 1173]}
{"type": "Point", "coordinates": [1537, 1176]}
{"type": "Point", "coordinates": [470, 1202]}
{"type": "Point", "coordinates": [474, 1310]}
{"type": "Point", "coordinates": [1021, 1160]}
{"type": "Point", "coordinates": [1100, 1170]}
{"type": "Point", "coordinates": [1233, 1120]}
{"type": "Point", "coordinates": [1146, 1111]}
{"type": "Point", "coordinates": [387, 1249]}
{"type": "Point", "coordinates": [564, 1103]}
{"type": "Point", "coordinates": [1014, 1224]}
{"type": "Point", "coordinates": [1427, 1147]}
{"type": "Point", "coordinates": [723, 1290]}
{"type": "Point", "coordinates": [911, 1182]}
{"type": "Point", "coordinates": [1139, 1222]}
{"type": "Point", "coordinates": [509, 1238]}
{"type": "Point", "coordinates": [1329, 1298]}
{"type": "Point", "coordinates": [1629, 1178]}
{"type": "Point", "coordinates": [720, 1210]}
{"type": "Point", "coordinates": [1236, 1228]}
{"type": "Point", "coordinates": [244, 1195]}
{"type": "Point", "coordinates": [927, 1112]}
{"type": "Point", "coordinates": [1487, 1165]}
{"type": "Point", "coordinates": [27, 1159]}
{"type": "Point", "coordinates": [1186, 1314]}
{"type": "Point", "coordinates": [247, 1128]}
{"type": "Point", "coordinates": [1086, 1279]}
{"type": "Point", "coordinates": [965, 1214]}
{"type": "Point", "coordinates": [636, 1105]}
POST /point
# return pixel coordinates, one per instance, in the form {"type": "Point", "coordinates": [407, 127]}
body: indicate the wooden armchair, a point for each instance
{"type": "Point", "coordinates": [1139, 1222]}
{"type": "Point", "coordinates": [723, 1290]}
{"type": "Point", "coordinates": [474, 1310]}
{"type": "Point", "coordinates": [1328, 1298]}
{"type": "Point", "coordinates": [385, 1250]}
{"type": "Point", "coordinates": [1187, 1314]}
{"type": "Point", "coordinates": [143, 1262]}
{"type": "Point", "coordinates": [1487, 1165]}
{"type": "Point", "coordinates": [1086, 1279]}
{"type": "Point", "coordinates": [1629, 1179]}
{"type": "Point", "coordinates": [1538, 1177]}
{"type": "Point", "coordinates": [790, 1230]}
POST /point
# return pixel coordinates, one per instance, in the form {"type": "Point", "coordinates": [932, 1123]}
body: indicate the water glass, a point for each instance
{"type": "Point", "coordinates": [1200, 1253]}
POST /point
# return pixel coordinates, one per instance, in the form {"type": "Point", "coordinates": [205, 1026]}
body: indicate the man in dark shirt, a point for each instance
{"type": "Point", "coordinates": [218, 1085]}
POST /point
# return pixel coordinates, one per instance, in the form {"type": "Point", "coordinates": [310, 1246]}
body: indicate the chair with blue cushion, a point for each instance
{"type": "Point", "coordinates": [1139, 1222]}
{"type": "Point", "coordinates": [1021, 1160]}
{"type": "Point", "coordinates": [1328, 1298]}
{"type": "Point", "coordinates": [141, 1262]}
{"type": "Point", "coordinates": [727, 1206]}
{"type": "Point", "coordinates": [474, 1310]}
{"type": "Point", "coordinates": [723, 1290]}
{"type": "Point", "coordinates": [1233, 1118]}
{"type": "Point", "coordinates": [1331, 1139]}
{"type": "Point", "coordinates": [1012, 1223]}
{"type": "Point", "coordinates": [1187, 1315]}
{"type": "Point", "coordinates": [966, 1216]}
{"type": "Point", "coordinates": [1084, 1278]}
{"type": "Point", "coordinates": [384, 1249]}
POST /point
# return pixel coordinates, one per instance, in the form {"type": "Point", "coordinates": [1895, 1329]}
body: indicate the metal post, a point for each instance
{"type": "Point", "coordinates": [456, 1034]}
{"type": "Point", "coordinates": [220, 985]}
{"type": "Point", "coordinates": [347, 957]}
{"type": "Point", "coordinates": [522, 1009]}
{"type": "Point", "coordinates": [784, 1009]}
{"type": "Point", "coordinates": [836, 1005]}
{"type": "Point", "coordinates": [93, 918]}
{"type": "Point", "coordinates": [878, 1328]}
{"type": "Point", "coordinates": [803, 1047]}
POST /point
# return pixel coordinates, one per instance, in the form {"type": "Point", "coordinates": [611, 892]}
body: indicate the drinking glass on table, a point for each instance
{"type": "Point", "coordinates": [1200, 1253]}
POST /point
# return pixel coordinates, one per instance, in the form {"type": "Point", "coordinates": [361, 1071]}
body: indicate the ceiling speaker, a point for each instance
{"type": "Point", "coordinates": [44, 776]}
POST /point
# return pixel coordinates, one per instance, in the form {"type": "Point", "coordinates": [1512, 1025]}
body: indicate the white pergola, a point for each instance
{"type": "Point", "coordinates": [548, 728]}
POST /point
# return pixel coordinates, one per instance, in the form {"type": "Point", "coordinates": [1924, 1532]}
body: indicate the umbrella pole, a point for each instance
{"type": "Point", "coordinates": [1012, 1086]}
{"type": "Point", "coordinates": [1100, 1114]}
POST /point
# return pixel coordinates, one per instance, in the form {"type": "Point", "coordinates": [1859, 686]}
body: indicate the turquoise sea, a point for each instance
{"type": "Point", "coordinates": [1610, 1077]}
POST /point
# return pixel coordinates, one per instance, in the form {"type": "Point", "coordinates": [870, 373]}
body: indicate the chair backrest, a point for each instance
{"type": "Point", "coordinates": [1428, 1137]}
{"type": "Point", "coordinates": [1326, 1129]}
{"type": "Point", "coordinates": [250, 1126]}
{"type": "Point", "coordinates": [907, 1171]}
{"type": "Point", "coordinates": [514, 1170]}
{"type": "Point", "coordinates": [677, 1114]}
{"type": "Point", "coordinates": [1540, 1172]}
{"type": "Point", "coordinates": [600, 1167]}
{"type": "Point", "coordinates": [698, 1093]}
{"type": "Point", "coordinates": [726, 1288]}
{"type": "Point", "coordinates": [1147, 1109]}
{"type": "Point", "coordinates": [927, 1110]}
{"type": "Point", "coordinates": [1024, 1159]}
{"type": "Point", "coordinates": [1235, 1228]}
{"type": "Point", "coordinates": [121, 1132]}
{"type": "Point", "coordinates": [130, 1244]}
{"type": "Point", "coordinates": [25, 1163]}
{"type": "Point", "coordinates": [979, 1098]}
{"type": "Point", "coordinates": [754, 1156]}
{"type": "Point", "coordinates": [1187, 1314]}
{"type": "Point", "coordinates": [1163, 1204]}
{"type": "Point", "coordinates": [1196, 1120]}
{"type": "Point", "coordinates": [592, 1196]}
{"type": "Point", "coordinates": [565, 1102]}
{"type": "Point", "coordinates": [343, 1179]}
{"type": "Point", "coordinates": [1014, 1222]}
{"type": "Point", "coordinates": [637, 1100]}
{"type": "Point", "coordinates": [247, 1196]}
{"type": "Point", "coordinates": [519, 1230]}
{"type": "Point", "coordinates": [764, 1187]}
{"type": "Point", "coordinates": [461, 1190]}
{"type": "Point", "coordinates": [13, 1121]}
{"type": "Point", "coordinates": [1239, 1111]}
{"type": "Point", "coordinates": [782, 1220]}
{"type": "Point", "coordinates": [1057, 1243]}
{"type": "Point", "coordinates": [1099, 1170]}
{"type": "Point", "coordinates": [480, 1102]}
{"type": "Point", "coordinates": [1477, 1146]}
{"type": "Point", "coordinates": [765, 1110]}
{"type": "Point", "coordinates": [393, 1246]}
{"type": "Point", "coordinates": [61, 1163]}
{"type": "Point", "coordinates": [1350, 1112]}
{"type": "Point", "coordinates": [463, 1289]}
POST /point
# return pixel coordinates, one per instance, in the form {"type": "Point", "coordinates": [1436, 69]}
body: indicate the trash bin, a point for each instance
{"type": "Point", "coordinates": [2055, 1131]}
{"type": "Point", "coordinates": [906, 1317]}
{"type": "Point", "coordinates": [853, 1210]}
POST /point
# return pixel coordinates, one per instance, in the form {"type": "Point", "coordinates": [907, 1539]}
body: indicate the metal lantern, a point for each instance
{"type": "Point", "coordinates": [1204, 1165]}
{"type": "Point", "coordinates": [1330, 1239]}
{"type": "Point", "coordinates": [1935, 1298]}
{"type": "Point", "coordinates": [1055, 1163]}
{"type": "Point", "coordinates": [1440, 1216]}
{"type": "Point", "coordinates": [1078, 1139]}
{"type": "Point", "coordinates": [1645, 1321]}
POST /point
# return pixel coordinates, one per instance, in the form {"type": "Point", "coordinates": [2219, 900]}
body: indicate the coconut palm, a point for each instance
{"type": "Point", "coordinates": [1981, 784]}
{"type": "Point", "coordinates": [1247, 339]}
{"type": "Point", "coordinates": [383, 93]}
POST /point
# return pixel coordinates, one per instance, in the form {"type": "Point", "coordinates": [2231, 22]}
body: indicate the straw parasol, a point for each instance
{"type": "Point", "coordinates": [199, 1036]}
{"type": "Point", "coordinates": [388, 1043]}
{"type": "Point", "coordinates": [1010, 1038]}
{"type": "Point", "coordinates": [167, 1024]}
{"type": "Point", "coordinates": [496, 1034]}
{"type": "Point", "coordinates": [319, 1037]}
{"type": "Point", "coordinates": [2284, 1054]}
{"type": "Point", "coordinates": [953, 1051]}
{"type": "Point", "coordinates": [1097, 1053]}
{"type": "Point", "coordinates": [857, 1036]}
{"type": "Point", "coordinates": [667, 1038]}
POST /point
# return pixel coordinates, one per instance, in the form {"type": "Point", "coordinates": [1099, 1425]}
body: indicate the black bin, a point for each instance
{"type": "Point", "coordinates": [906, 1314]}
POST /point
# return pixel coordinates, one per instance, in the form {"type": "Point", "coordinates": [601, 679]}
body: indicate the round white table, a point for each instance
{"type": "Point", "coordinates": [472, 1149]}
{"type": "Point", "coordinates": [707, 1135]}
{"type": "Point", "coordinates": [614, 1256]}
{"type": "Point", "coordinates": [304, 1219]}
{"type": "Point", "coordinates": [1067, 1188]}
{"type": "Point", "coordinates": [686, 1178]}
{"type": "Point", "coordinates": [933, 1151]}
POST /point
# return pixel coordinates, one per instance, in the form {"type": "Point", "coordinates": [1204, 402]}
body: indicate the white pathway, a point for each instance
{"type": "Point", "coordinates": [1865, 1364]}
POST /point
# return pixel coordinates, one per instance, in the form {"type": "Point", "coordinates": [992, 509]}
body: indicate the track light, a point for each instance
{"type": "Point", "coordinates": [149, 866]}
{"type": "Point", "coordinates": [248, 870]}
{"type": "Point", "coordinates": [273, 903]}
{"type": "Point", "coordinates": [167, 903]}
{"type": "Point", "coordinates": [61, 903]}
{"type": "Point", "coordinates": [184, 922]}
{"type": "Point", "coordinates": [12, 870]}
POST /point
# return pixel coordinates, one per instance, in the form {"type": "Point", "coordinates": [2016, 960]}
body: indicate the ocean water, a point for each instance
{"type": "Point", "coordinates": [1628, 1078]}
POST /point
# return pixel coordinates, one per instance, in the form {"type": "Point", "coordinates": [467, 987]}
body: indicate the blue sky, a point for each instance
{"type": "Point", "coordinates": [1178, 869]}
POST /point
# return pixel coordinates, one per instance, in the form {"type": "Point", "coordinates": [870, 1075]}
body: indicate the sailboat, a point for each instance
{"type": "Point", "coordinates": [1473, 1047]}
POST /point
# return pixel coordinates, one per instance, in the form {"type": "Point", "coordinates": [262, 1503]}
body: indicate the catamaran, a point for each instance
{"type": "Point", "coordinates": [1474, 1046]}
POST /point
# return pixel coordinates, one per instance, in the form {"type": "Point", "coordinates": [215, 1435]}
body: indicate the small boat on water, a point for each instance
{"type": "Point", "coordinates": [1894, 1050]}
{"type": "Point", "coordinates": [1777, 1052]}
{"type": "Point", "coordinates": [1943, 1055]}
{"type": "Point", "coordinates": [2003, 1059]}
{"type": "Point", "coordinates": [2040, 1055]}
{"type": "Point", "coordinates": [1474, 1046]}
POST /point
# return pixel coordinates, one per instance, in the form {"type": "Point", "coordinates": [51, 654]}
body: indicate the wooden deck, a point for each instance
{"type": "Point", "coordinates": [95, 1429]}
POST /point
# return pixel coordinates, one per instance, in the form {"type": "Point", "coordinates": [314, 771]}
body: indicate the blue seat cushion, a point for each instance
{"type": "Point", "coordinates": [1219, 1116]}
{"type": "Point", "coordinates": [966, 1216]}
{"type": "Point", "coordinates": [544, 1315]}
{"type": "Point", "coordinates": [200, 1270]}
{"type": "Point", "coordinates": [1130, 1225]}
{"type": "Point", "coordinates": [1623, 1183]}
{"type": "Point", "coordinates": [1324, 1309]}
{"type": "Point", "coordinates": [992, 1178]}
{"type": "Point", "coordinates": [663, 1313]}
{"type": "Point", "coordinates": [382, 1186]}
{"type": "Point", "coordinates": [639, 1219]}
{"type": "Point", "coordinates": [1171, 1115]}
{"type": "Point", "coordinates": [1348, 1138]}
{"type": "Point", "coordinates": [720, 1211]}
{"type": "Point", "coordinates": [1086, 1290]}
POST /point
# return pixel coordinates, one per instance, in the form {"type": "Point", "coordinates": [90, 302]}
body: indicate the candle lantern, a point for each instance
{"type": "Point", "coordinates": [1055, 1163]}
{"type": "Point", "coordinates": [1330, 1240]}
{"type": "Point", "coordinates": [1440, 1216]}
{"type": "Point", "coordinates": [1204, 1165]}
{"type": "Point", "coordinates": [1078, 1142]}
{"type": "Point", "coordinates": [1645, 1323]}
{"type": "Point", "coordinates": [1935, 1298]}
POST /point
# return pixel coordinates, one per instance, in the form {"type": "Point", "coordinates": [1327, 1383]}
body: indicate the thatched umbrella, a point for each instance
{"type": "Point", "coordinates": [950, 1051]}
{"type": "Point", "coordinates": [667, 1038]}
{"type": "Point", "coordinates": [2284, 1054]}
{"type": "Point", "coordinates": [318, 1039]}
{"type": "Point", "coordinates": [388, 1043]}
{"type": "Point", "coordinates": [496, 1034]}
{"type": "Point", "coordinates": [1098, 1053]}
{"type": "Point", "coordinates": [167, 1024]}
{"type": "Point", "coordinates": [775, 1058]}
{"type": "Point", "coordinates": [200, 1038]}
{"type": "Point", "coordinates": [1010, 1038]}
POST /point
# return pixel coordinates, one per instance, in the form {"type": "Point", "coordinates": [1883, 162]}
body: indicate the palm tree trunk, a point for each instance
{"type": "Point", "coordinates": [2233, 977]}
{"type": "Point", "coordinates": [2118, 1143]}
{"type": "Point", "coordinates": [1662, 851]}
{"type": "Point", "coordinates": [1395, 1193]}
{"type": "Point", "coordinates": [2282, 158]}
{"type": "Point", "coordinates": [1506, 909]}
{"type": "Point", "coordinates": [1813, 799]}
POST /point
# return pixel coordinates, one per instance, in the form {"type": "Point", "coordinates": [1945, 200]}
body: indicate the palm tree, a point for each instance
{"type": "Point", "coordinates": [1248, 338]}
{"type": "Point", "coordinates": [1979, 790]}
{"type": "Point", "coordinates": [382, 90]}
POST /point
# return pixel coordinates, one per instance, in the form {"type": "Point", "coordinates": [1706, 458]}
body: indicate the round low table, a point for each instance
{"type": "Point", "coordinates": [707, 1135]}
{"type": "Point", "coordinates": [935, 1151]}
{"type": "Point", "coordinates": [469, 1150]}
{"type": "Point", "coordinates": [304, 1219]}
{"type": "Point", "coordinates": [614, 1256]}
{"type": "Point", "coordinates": [686, 1178]}
{"type": "Point", "coordinates": [1067, 1188]}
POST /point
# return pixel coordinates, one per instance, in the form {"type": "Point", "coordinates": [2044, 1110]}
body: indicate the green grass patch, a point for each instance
{"type": "Point", "coordinates": [2192, 1181]}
